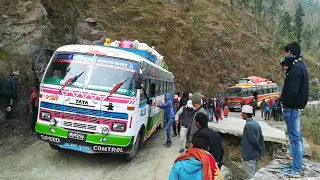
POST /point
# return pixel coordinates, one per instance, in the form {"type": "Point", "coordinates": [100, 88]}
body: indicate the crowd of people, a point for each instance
{"type": "Point", "coordinates": [203, 158]}
{"type": "Point", "coordinates": [269, 109]}
{"type": "Point", "coordinates": [201, 147]}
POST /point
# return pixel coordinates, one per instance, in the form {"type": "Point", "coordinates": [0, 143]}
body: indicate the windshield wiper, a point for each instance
{"type": "Point", "coordinates": [117, 86]}
{"type": "Point", "coordinates": [71, 80]}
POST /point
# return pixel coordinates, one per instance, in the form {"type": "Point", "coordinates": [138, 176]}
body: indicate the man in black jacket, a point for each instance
{"type": "Point", "coordinates": [216, 149]}
{"type": "Point", "coordinates": [294, 97]}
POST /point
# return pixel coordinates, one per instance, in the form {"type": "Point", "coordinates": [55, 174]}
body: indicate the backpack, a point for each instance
{"type": "Point", "coordinates": [186, 116]}
{"type": "Point", "coordinates": [267, 108]}
{"type": "Point", "coordinates": [210, 103]}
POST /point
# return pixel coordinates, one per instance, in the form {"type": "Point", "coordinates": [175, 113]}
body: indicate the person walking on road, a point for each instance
{"type": "Point", "coordinates": [169, 114]}
{"type": "Point", "coordinates": [33, 107]}
{"type": "Point", "coordinates": [262, 106]}
{"type": "Point", "coordinates": [217, 113]}
{"type": "Point", "coordinates": [196, 163]}
{"type": "Point", "coordinates": [267, 112]}
{"type": "Point", "coordinates": [196, 100]}
{"type": "Point", "coordinates": [253, 103]}
{"type": "Point", "coordinates": [210, 106]}
{"type": "Point", "coordinates": [216, 149]}
{"type": "Point", "coordinates": [185, 114]}
{"type": "Point", "coordinates": [252, 144]}
{"type": "Point", "coordinates": [294, 97]}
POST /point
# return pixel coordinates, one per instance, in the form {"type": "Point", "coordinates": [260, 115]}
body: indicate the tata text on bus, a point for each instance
{"type": "Point", "coordinates": [96, 99]}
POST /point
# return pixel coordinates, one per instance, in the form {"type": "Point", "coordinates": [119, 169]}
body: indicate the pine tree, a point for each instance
{"type": "Point", "coordinates": [274, 9]}
{"type": "Point", "coordinates": [298, 22]}
{"type": "Point", "coordinates": [308, 36]}
{"type": "Point", "coordinates": [285, 25]}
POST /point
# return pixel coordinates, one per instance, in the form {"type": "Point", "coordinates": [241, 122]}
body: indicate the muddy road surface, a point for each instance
{"type": "Point", "coordinates": [36, 160]}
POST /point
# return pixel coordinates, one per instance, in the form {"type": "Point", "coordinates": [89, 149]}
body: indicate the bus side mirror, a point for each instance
{"type": "Point", "coordinates": [139, 85]}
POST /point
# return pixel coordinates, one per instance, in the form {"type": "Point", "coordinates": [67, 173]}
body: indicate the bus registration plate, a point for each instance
{"type": "Point", "coordinates": [76, 135]}
{"type": "Point", "coordinates": [76, 147]}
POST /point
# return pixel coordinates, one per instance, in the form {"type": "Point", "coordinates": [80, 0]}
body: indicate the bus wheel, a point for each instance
{"type": "Point", "coordinates": [55, 147]}
{"type": "Point", "coordinates": [128, 157]}
{"type": "Point", "coordinates": [231, 110]}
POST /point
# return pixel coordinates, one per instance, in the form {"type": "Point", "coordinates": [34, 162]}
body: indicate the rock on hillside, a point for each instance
{"type": "Point", "coordinates": [36, 28]}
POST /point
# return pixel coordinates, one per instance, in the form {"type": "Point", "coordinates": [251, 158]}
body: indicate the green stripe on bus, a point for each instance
{"type": "Point", "coordinates": [153, 120]}
{"type": "Point", "coordinates": [45, 129]}
{"type": "Point", "coordinates": [112, 140]}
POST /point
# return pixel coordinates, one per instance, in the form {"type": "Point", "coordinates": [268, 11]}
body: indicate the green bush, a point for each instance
{"type": "Point", "coordinates": [265, 47]}
{"type": "Point", "coordinates": [311, 124]}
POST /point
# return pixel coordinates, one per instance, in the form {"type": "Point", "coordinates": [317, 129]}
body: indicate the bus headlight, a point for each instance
{"type": "Point", "coordinates": [105, 130]}
{"type": "Point", "coordinates": [53, 122]}
{"type": "Point", "coordinates": [118, 127]}
{"type": "Point", "coordinates": [45, 115]}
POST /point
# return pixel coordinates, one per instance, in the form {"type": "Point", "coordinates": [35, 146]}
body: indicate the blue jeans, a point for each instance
{"type": "Point", "coordinates": [168, 128]}
{"type": "Point", "coordinates": [292, 119]}
{"type": "Point", "coordinates": [210, 114]}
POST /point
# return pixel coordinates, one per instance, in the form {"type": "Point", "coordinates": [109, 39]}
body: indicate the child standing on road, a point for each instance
{"type": "Point", "coordinates": [226, 111]}
{"type": "Point", "coordinates": [185, 114]}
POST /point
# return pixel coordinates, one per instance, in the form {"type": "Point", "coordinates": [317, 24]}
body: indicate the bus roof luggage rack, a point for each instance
{"type": "Point", "coordinates": [142, 53]}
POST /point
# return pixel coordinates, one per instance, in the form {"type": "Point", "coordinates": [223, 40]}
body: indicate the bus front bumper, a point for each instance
{"type": "Point", "coordinates": [88, 143]}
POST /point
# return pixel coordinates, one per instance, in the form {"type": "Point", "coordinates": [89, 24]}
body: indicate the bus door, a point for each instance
{"type": "Point", "coordinates": [154, 111]}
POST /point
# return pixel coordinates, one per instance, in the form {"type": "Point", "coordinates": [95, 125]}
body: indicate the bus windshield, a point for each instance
{"type": "Point", "coordinates": [66, 66]}
{"type": "Point", "coordinates": [106, 73]}
{"type": "Point", "coordinates": [233, 91]}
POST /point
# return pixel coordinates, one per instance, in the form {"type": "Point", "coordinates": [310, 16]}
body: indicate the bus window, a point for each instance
{"type": "Point", "coordinates": [147, 86]}
{"type": "Point", "coordinates": [153, 89]}
{"type": "Point", "coordinates": [166, 87]}
{"type": "Point", "coordinates": [158, 84]}
{"type": "Point", "coordinates": [160, 87]}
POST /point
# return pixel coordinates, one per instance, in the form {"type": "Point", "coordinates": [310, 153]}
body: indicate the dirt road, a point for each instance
{"type": "Point", "coordinates": [36, 160]}
{"type": "Point", "coordinates": [39, 161]}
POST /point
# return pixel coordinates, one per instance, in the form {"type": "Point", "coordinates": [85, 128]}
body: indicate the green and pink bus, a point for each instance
{"type": "Point", "coordinates": [96, 99]}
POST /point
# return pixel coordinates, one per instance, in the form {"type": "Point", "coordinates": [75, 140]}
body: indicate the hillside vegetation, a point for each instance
{"type": "Point", "coordinates": [207, 44]}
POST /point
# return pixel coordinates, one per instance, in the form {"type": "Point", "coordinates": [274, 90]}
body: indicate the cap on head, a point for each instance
{"type": "Point", "coordinates": [247, 109]}
{"type": "Point", "coordinates": [189, 104]}
{"type": "Point", "coordinates": [196, 98]}
{"type": "Point", "coordinates": [16, 73]}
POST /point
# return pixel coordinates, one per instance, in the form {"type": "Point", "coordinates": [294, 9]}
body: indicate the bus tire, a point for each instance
{"type": "Point", "coordinates": [128, 157]}
{"type": "Point", "coordinates": [55, 147]}
{"type": "Point", "coordinates": [231, 109]}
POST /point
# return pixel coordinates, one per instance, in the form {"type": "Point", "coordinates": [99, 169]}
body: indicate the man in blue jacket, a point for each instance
{"type": "Point", "coordinates": [169, 115]}
{"type": "Point", "coordinates": [294, 97]}
{"type": "Point", "coordinates": [252, 144]}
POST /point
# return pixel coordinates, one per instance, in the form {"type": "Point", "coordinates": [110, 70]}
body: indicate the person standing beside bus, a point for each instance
{"type": "Point", "coordinates": [175, 126]}
{"type": "Point", "coordinates": [33, 107]}
{"type": "Point", "coordinates": [169, 115]}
